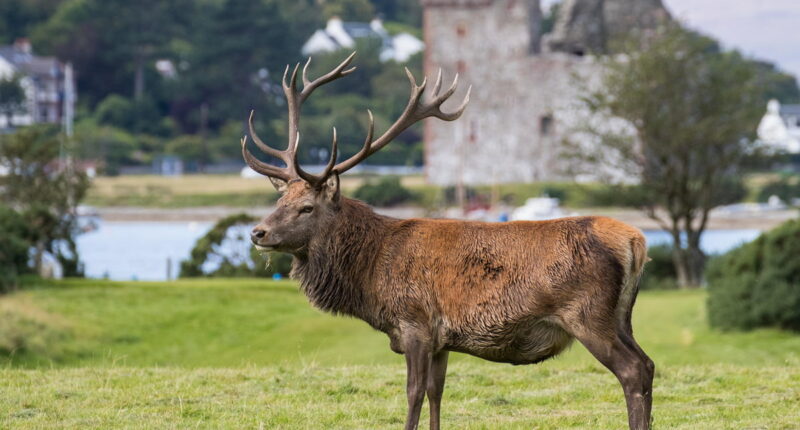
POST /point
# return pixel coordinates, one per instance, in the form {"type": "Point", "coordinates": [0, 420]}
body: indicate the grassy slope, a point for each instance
{"type": "Point", "coordinates": [253, 353]}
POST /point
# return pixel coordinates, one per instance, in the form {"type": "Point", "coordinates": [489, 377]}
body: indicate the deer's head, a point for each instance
{"type": "Point", "coordinates": [309, 202]}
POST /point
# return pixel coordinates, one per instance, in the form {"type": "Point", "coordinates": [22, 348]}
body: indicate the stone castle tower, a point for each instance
{"type": "Point", "coordinates": [525, 85]}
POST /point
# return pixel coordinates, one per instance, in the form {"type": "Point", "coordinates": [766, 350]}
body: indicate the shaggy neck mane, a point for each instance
{"type": "Point", "coordinates": [336, 267]}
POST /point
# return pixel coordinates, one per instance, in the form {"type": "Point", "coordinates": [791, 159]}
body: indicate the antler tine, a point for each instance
{"type": "Point", "coordinates": [316, 180]}
{"type": "Point", "coordinates": [438, 85]}
{"type": "Point", "coordinates": [416, 90]}
{"type": "Point", "coordinates": [261, 145]}
{"type": "Point", "coordinates": [336, 73]}
{"type": "Point", "coordinates": [306, 82]}
{"type": "Point", "coordinates": [415, 110]}
{"type": "Point", "coordinates": [370, 132]}
{"type": "Point", "coordinates": [456, 113]}
{"type": "Point", "coordinates": [440, 99]}
{"type": "Point", "coordinates": [262, 167]}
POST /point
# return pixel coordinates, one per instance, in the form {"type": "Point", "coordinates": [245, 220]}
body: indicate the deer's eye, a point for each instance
{"type": "Point", "coordinates": [306, 209]}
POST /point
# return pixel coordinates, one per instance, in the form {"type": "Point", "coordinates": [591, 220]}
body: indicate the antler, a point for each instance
{"type": "Point", "coordinates": [415, 110]}
{"type": "Point", "coordinates": [294, 100]}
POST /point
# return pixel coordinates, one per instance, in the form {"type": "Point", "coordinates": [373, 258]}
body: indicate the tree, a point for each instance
{"type": "Point", "coordinates": [12, 97]}
{"type": "Point", "coordinates": [44, 192]}
{"type": "Point", "coordinates": [690, 110]}
{"type": "Point", "coordinates": [114, 39]}
{"type": "Point", "coordinates": [349, 10]}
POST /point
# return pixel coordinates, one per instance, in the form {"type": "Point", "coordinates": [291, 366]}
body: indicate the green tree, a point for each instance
{"type": "Point", "coordinates": [777, 84]}
{"type": "Point", "coordinates": [19, 17]}
{"type": "Point", "coordinates": [12, 97]}
{"type": "Point", "coordinates": [239, 49]}
{"type": "Point", "coordinates": [13, 247]}
{"type": "Point", "coordinates": [117, 40]}
{"type": "Point", "coordinates": [44, 192]}
{"type": "Point", "coordinates": [349, 10]}
{"type": "Point", "coordinates": [690, 109]}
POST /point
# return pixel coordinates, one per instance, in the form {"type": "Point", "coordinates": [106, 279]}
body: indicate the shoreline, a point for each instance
{"type": "Point", "coordinates": [763, 220]}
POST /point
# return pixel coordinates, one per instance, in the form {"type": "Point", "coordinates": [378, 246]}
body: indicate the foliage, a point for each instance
{"type": "Point", "coordinates": [27, 330]}
{"type": "Point", "coordinates": [349, 10]}
{"type": "Point", "coordinates": [777, 84]}
{"type": "Point", "coordinates": [44, 193]}
{"type": "Point", "coordinates": [408, 12]}
{"type": "Point", "coordinates": [386, 191]}
{"type": "Point", "coordinates": [12, 97]}
{"type": "Point", "coordinates": [13, 248]}
{"type": "Point", "coordinates": [690, 111]}
{"type": "Point", "coordinates": [231, 254]}
{"type": "Point", "coordinates": [787, 187]}
{"type": "Point", "coordinates": [758, 284]}
{"type": "Point", "coordinates": [19, 17]}
{"type": "Point", "coordinates": [659, 272]}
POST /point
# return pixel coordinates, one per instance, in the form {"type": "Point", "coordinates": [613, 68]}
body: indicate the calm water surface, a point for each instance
{"type": "Point", "coordinates": [143, 250]}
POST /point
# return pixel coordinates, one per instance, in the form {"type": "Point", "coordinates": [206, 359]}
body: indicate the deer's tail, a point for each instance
{"type": "Point", "coordinates": [630, 283]}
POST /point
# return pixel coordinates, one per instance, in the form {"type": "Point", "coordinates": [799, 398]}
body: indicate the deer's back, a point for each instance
{"type": "Point", "coordinates": [492, 287]}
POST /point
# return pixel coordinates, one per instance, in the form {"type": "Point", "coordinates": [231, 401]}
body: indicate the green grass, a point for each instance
{"type": "Point", "coordinates": [254, 354]}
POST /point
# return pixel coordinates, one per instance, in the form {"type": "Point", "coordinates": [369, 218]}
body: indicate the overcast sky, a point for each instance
{"type": "Point", "coordinates": [765, 29]}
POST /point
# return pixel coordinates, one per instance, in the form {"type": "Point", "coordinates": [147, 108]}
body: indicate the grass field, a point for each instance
{"type": "Point", "coordinates": [196, 190]}
{"type": "Point", "coordinates": [254, 354]}
{"type": "Point", "coordinates": [234, 191]}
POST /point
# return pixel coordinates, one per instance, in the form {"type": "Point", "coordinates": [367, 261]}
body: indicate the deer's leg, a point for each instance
{"type": "Point", "coordinates": [648, 371]}
{"type": "Point", "coordinates": [418, 362]}
{"type": "Point", "coordinates": [633, 370]}
{"type": "Point", "coordinates": [436, 375]}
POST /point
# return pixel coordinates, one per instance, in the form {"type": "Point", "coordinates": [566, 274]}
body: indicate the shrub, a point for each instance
{"type": "Point", "coordinates": [387, 191]}
{"type": "Point", "coordinates": [13, 248]}
{"type": "Point", "coordinates": [659, 272]}
{"type": "Point", "coordinates": [26, 329]}
{"type": "Point", "coordinates": [758, 284]}
{"type": "Point", "coordinates": [787, 188]}
{"type": "Point", "coordinates": [226, 251]}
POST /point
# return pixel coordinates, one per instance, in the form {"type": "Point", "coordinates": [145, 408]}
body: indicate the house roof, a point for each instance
{"type": "Point", "coordinates": [790, 110]}
{"type": "Point", "coordinates": [28, 63]}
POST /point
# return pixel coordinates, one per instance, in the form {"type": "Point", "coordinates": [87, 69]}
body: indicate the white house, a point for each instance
{"type": "Point", "coordinates": [779, 129]}
{"type": "Point", "coordinates": [338, 34]}
{"type": "Point", "coordinates": [44, 80]}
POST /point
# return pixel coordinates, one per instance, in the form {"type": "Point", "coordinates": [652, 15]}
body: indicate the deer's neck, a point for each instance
{"type": "Point", "coordinates": [336, 271]}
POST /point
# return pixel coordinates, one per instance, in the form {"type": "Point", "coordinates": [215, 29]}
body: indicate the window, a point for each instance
{"type": "Point", "coordinates": [461, 29]}
{"type": "Point", "coordinates": [546, 125]}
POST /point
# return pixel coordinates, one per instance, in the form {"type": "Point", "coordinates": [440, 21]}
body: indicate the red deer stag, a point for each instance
{"type": "Point", "coordinates": [515, 292]}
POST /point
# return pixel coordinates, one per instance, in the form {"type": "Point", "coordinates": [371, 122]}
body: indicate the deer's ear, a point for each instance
{"type": "Point", "coordinates": [279, 184]}
{"type": "Point", "coordinates": [331, 187]}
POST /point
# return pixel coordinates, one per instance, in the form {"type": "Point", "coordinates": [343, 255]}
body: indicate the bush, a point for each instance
{"type": "Point", "coordinates": [226, 251]}
{"type": "Point", "coordinates": [26, 329]}
{"type": "Point", "coordinates": [787, 188]}
{"type": "Point", "coordinates": [387, 191]}
{"type": "Point", "coordinates": [758, 284]}
{"type": "Point", "coordinates": [659, 272]}
{"type": "Point", "coordinates": [13, 248]}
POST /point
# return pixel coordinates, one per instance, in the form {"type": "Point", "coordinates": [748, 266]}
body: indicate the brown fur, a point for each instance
{"type": "Point", "coordinates": [515, 292]}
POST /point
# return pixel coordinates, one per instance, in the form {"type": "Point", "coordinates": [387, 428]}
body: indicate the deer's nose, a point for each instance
{"type": "Point", "coordinates": [257, 234]}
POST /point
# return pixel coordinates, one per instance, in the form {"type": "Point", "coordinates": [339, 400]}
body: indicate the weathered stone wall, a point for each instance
{"type": "Point", "coordinates": [524, 102]}
{"type": "Point", "coordinates": [521, 105]}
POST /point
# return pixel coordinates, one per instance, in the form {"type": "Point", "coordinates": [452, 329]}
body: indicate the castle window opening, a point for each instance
{"type": "Point", "coordinates": [546, 125]}
{"type": "Point", "coordinates": [461, 29]}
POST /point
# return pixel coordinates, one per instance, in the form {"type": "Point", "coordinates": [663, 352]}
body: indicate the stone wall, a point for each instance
{"type": "Point", "coordinates": [524, 102]}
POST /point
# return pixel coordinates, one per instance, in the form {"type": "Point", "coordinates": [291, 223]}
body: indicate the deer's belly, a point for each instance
{"type": "Point", "coordinates": [523, 342]}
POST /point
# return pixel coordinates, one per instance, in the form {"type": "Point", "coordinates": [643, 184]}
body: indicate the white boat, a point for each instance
{"type": "Point", "coordinates": [539, 208]}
